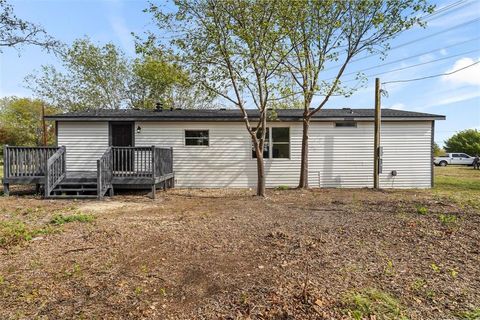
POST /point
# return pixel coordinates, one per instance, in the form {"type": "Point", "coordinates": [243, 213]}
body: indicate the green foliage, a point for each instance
{"type": "Point", "coordinates": [422, 210]}
{"type": "Point", "coordinates": [282, 187]}
{"type": "Point", "coordinates": [16, 232]}
{"type": "Point", "coordinates": [448, 219]}
{"type": "Point", "coordinates": [437, 151]}
{"type": "Point", "coordinates": [473, 314]}
{"type": "Point", "coordinates": [60, 219]}
{"type": "Point", "coordinates": [372, 303]}
{"type": "Point", "coordinates": [21, 122]}
{"type": "Point", "coordinates": [102, 77]}
{"type": "Point", "coordinates": [16, 32]}
{"type": "Point", "coordinates": [467, 141]}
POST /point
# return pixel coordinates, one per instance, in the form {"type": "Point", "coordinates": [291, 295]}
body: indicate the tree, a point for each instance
{"type": "Point", "coordinates": [437, 151]}
{"type": "Point", "coordinates": [16, 32]}
{"type": "Point", "coordinates": [94, 78]}
{"type": "Point", "coordinates": [321, 32]}
{"type": "Point", "coordinates": [102, 77]}
{"type": "Point", "coordinates": [228, 47]}
{"type": "Point", "coordinates": [467, 141]}
{"type": "Point", "coordinates": [21, 122]}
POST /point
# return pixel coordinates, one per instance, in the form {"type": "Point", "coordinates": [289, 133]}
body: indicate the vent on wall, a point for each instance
{"type": "Point", "coordinates": [346, 124]}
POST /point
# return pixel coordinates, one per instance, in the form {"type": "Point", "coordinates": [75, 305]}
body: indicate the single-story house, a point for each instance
{"type": "Point", "coordinates": [212, 148]}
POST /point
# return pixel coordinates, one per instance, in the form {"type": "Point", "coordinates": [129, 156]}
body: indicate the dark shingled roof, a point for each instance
{"type": "Point", "coordinates": [235, 115]}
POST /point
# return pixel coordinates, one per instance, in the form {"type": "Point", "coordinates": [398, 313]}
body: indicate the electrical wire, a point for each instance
{"type": "Point", "coordinates": [432, 76]}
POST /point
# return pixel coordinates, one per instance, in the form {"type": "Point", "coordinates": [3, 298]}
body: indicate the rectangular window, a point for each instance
{"type": "Point", "coordinates": [279, 140]}
{"type": "Point", "coordinates": [281, 143]}
{"type": "Point", "coordinates": [347, 123]}
{"type": "Point", "coordinates": [196, 137]}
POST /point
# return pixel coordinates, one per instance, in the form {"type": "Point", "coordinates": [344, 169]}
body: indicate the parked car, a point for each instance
{"type": "Point", "coordinates": [453, 158]}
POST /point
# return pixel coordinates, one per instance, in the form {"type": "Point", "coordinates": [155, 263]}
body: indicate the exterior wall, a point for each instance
{"type": "Point", "coordinates": [339, 156]}
{"type": "Point", "coordinates": [85, 142]}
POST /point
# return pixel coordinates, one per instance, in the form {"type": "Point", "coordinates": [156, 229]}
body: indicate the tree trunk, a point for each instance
{"type": "Point", "coordinates": [260, 172]}
{"type": "Point", "coordinates": [303, 183]}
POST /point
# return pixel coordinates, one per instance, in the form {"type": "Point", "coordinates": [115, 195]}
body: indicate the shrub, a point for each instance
{"type": "Point", "coordinates": [282, 187]}
{"type": "Point", "coordinates": [60, 219]}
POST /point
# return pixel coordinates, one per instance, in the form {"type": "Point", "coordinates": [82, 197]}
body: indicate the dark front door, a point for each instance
{"type": "Point", "coordinates": [121, 135]}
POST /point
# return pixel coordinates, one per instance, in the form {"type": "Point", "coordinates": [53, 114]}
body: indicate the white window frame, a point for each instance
{"type": "Point", "coordinates": [270, 144]}
{"type": "Point", "coordinates": [195, 146]}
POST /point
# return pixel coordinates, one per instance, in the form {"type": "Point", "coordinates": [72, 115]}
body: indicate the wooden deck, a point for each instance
{"type": "Point", "coordinates": [119, 167]}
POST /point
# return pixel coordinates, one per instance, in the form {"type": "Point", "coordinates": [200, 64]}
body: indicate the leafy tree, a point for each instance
{"type": "Point", "coordinates": [101, 77]}
{"type": "Point", "coordinates": [16, 32]}
{"type": "Point", "coordinates": [94, 78]}
{"type": "Point", "coordinates": [467, 141]}
{"type": "Point", "coordinates": [21, 122]}
{"type": "Point", "coordinates": [437, 151]}
{"type": "Point", "coordinates": [228, 47]}
{"type": "Point", "coordinates": [320, 32]}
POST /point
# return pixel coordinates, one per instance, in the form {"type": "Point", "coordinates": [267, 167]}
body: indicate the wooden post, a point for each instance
{"type": "Point", "coordinates": [99, 181]}
{"type": "Point", "coordinates": [376, 141]}
{"type": "Point", "coordinates": [6, 165]}
{"type": "Point", "coordinates": [153, 173]}
{"type": "Point", "coordinates": [44, 126]}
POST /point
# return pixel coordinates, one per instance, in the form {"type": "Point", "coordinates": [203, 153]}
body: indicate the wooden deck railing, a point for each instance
{"type": "Point", "coordinates": [55, 171]}
{"type": "Point", "coordinates": [163, 161]}
{"type": "Point", "coordinates": [26, 161]}
{"type": "Point", "coordinates": [104, 173]}
{"type": "Point", "coordinates": [141, 161]}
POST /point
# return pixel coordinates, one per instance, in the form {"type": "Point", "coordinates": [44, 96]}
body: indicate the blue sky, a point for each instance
{"type": "Point", "coordinates": [456, 96]}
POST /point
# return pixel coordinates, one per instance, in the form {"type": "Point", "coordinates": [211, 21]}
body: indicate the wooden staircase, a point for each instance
{"type": "Point", "coordinates": [76, 185]}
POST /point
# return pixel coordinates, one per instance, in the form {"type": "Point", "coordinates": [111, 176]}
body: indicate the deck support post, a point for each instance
{"type": "Point", "coordinates": [110, 192]}
{"type": "Point", "coordinates": [37, 188]}
{"type": "Point", "coordinates": [154, 187]}
{"type": "Point", "coordinates": [6, 189]}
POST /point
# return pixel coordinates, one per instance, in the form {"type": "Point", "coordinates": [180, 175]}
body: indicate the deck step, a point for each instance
{"type": "Point", "coordinates": [78, 196]}
{"type": "Point", "coordinates": [74, 189]}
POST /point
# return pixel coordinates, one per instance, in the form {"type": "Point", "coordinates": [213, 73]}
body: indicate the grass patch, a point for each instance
{"type": "Point", "coordinates": [60, 219]}
{"type": "Point", "coordinates": [16, 232]}
{"type": "Point", "coordinates": [470, 315]}
{"type": "Point", "coordinates": [282, 187]}
{"type": "Point", "coordinates": [448, 219]}
{"type": "Point", "coordinates": [459, 184]}
{"type": "Point", "coordinates": [422, 210]}
{"type": "Point", "coordinates": [371, 303]}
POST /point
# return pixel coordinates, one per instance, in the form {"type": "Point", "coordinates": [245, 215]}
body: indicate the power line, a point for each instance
{"type": "Point", "coordinates": [410, 42]}
{"type": "Point", "coordinates": [410, 57]}
{"type": "Point", "coordinates": [411, 66]}
{"type": "Point", "coordinates": [433, 76]}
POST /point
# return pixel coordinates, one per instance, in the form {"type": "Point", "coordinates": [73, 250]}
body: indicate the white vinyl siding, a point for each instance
{"type": "Point", "coordinates": [85, 142]}
{"type": "Point", "coordinates": [338, 156]}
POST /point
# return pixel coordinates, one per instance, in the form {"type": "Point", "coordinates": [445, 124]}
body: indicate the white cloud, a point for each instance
{"type": "Point", "coordinates": [426, 58]}
{"type": "Point", "coordinates": [469, 76]}
{"type": "Point", "coordinates": [123, 33]}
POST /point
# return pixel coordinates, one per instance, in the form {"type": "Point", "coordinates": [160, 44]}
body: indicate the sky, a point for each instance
{"type": "Point", "coordinates": [452, 38]}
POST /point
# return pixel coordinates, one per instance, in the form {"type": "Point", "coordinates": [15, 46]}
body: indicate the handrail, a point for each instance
{"type": "Point", "coordinates": [104, 173]}
{"type": "Point", "coordinates": [21, 161]}
{"type": "Point", "coordinates": [55, 170]}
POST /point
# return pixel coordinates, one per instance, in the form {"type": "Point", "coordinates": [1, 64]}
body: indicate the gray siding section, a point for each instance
{"type": "Point", "coordinates": [339, 156]}
{"type": "Point", "coordinates": [85, 142]}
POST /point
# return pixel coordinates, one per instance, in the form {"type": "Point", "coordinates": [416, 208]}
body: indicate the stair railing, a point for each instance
{"type": "Point", "coordinates": [104, 173]}
{"type": "Point", "coordinates": [55, 170]}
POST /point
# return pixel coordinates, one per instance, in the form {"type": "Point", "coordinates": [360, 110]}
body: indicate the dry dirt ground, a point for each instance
{"type": "Point", "coordinates": [225, 254]}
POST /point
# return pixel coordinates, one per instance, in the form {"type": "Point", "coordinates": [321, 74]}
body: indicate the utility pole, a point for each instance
{"type": "Point", "coordinates": [376, 141]}
{"type": "Point", "coordinates": [44, 125]}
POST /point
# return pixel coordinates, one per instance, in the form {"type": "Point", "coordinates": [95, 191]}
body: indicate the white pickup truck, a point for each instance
{"type": "Point", "coordinates": [453, 158]}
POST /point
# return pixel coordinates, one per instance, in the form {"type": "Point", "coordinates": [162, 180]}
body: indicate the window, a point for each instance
{"type": "Point", "coordinates": [455, 155]}
{"type": "Point", "coordinates": [463, 155]}
{"type": "Point", "coordinates": [279, 140]}
{"type": "Point", "coordinates": [347, 123]}
{"type": "Point", "coordinates": [196, 137]}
